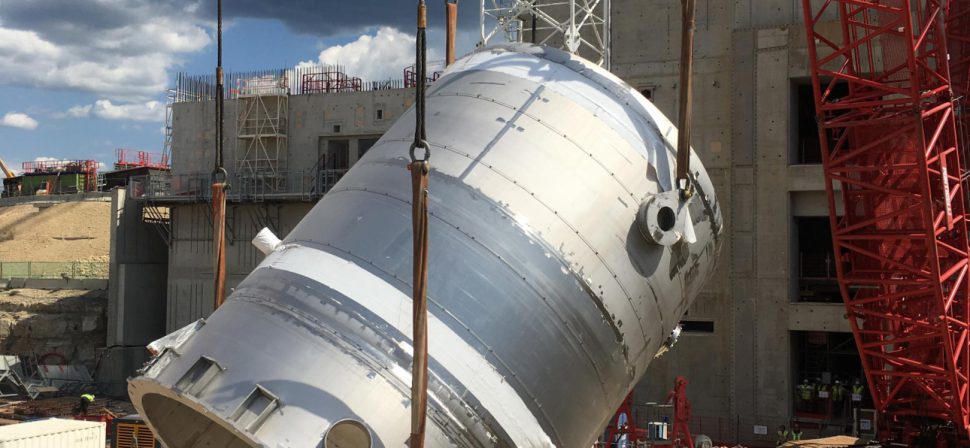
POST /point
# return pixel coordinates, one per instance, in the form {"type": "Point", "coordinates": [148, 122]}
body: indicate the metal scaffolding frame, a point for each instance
{"type": "Point", "coordinates": [434, 72]}
{"type": "Point", "coordinates": [889, 149]}
{"type": "Point", "coordinates": [578, 26]}
{"type": "Point", "coordinates": [261, 135]}
{"type": "Point", "coordinates": [329, 79]}
{"type": "Point", "coordinates": [133, 158]}
{"type": "Point", "coordinates": [171, 99]}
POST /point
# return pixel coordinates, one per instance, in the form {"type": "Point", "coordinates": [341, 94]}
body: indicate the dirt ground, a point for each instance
{"type": "Point", "coordinates": [70, 231]}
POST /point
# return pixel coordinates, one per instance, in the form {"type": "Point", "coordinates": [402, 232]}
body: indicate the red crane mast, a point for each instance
{"type": "Point", "coordinates": [890, 153]}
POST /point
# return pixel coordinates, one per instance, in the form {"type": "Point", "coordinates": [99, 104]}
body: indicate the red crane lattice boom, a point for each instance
{"type": "Point", "coordinates": [890, 152]}
{"type": "Point", "coordinates": [958, 44]}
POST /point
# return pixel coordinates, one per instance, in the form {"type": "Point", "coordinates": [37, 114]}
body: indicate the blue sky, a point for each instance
{"type": "Point", "coordinates": [80, 78]}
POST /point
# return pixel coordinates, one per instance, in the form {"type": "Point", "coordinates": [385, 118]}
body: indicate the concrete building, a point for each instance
{"type": "Point", "coordinates": [773, 315]}
{"type": "Point", "coordinates": [324, 134]}
{"type": "Point", "coordinates": [771, 318]}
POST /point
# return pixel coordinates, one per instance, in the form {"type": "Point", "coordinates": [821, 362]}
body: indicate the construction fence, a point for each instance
{"type": "Point", "coordinates": [54, 269]}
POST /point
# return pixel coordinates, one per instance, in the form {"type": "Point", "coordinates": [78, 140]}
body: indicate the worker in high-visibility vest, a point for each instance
{"type": "Point", "coordinates": [805, 394]}
{"type": "Point", "coordinates": [783, 436]}
{"type": "Point", "coordinates": [858, 389]}
{"type": "Point", "coordinates": [86, 400]}
{"type": "Point", "coordinates": [838, 398]}
{"type": "Point", "coordinates": [822, 396]}
{"type": "Point", "coordinates": [796, 432]}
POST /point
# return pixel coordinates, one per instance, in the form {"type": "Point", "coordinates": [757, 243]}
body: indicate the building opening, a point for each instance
{"type": "Point", "coordinates": [829, 381]}
{"type": "Point", "coordinates": [337, 156]}
{"type": "Point", "coordinates": [815, 264]}
{"type": "Point", "coordinates": [806, 149]}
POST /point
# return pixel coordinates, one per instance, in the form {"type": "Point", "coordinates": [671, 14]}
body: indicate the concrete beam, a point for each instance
{"type": "Point", "coordinates": [806, 316]}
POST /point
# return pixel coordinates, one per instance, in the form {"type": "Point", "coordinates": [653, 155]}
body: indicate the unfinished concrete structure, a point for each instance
{"type": "Point", "coordinates": [770, 317]}
{"type": "Point", "coordinates": [325, 134]}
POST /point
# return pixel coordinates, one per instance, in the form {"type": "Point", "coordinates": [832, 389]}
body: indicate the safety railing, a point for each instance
{"type": "Point", "coordinates": [306, 185]}
{"type": "Point", "coordinates": [54, 269]}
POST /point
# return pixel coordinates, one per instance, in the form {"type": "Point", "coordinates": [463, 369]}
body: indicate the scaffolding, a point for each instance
{"type": "Point", "coordinates": [328, 80]}
{"type": "Point", "coordinates": [411, 75]}
{"type": "Point", "coordinates": [169, 115]}
{"type": "Point", "coordinates": [131, 158]}
{"type": "Point", "coordinates": [261, 135]}
{"type": "Point", "coordinates": [578, 26]}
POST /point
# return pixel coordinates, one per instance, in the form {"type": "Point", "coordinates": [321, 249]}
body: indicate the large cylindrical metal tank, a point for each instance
{"type": "Point", "coordinates": [548, 295]}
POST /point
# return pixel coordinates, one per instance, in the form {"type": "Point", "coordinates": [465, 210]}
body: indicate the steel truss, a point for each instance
{"type": "Point", "coordinates": [577, 26]}
{"type": "Point", "coordinates": [890, 146]}
{"type": "Point", "coordinates": [958, 44]}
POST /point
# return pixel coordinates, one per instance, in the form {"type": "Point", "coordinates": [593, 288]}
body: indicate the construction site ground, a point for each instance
{"type": "Point", "coordinates": [55, 326]}
{"type": "Point", "coordinates": [15, 411]}
{"type": "Point", "coordinates": [67, 231]}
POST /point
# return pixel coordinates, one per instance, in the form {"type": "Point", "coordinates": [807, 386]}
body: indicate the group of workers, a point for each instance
{"type": "Point", "coordinates": [785, 435]}
{"type": "Point", "coordinates": [834, 400]}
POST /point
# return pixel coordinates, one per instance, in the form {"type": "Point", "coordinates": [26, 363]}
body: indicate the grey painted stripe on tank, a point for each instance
{"type": "Point", "coordinates": [596, 252]}
{"type": "Point", "coordinates": [438, 91]}
{"type": "Point", "coordinates": [441, 313]}
{"type": "Point", "coordinates": [376, 294]}
{"type": "Point", "coordinates": [597, 300]}
{"type": "Point", "coordinates": [256, 289]}
{"type": "Point", "coordinates": [403, 271]}
{"type": "Point", "coordinates": [403, 285]}
{"type": "Point", "coordinates": [406, 285]}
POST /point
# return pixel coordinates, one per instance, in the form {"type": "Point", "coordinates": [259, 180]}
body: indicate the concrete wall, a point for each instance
{"type": "Point", "coordinates": [312, 121]}
{"type": "Point", "coordinates": [748, 54]}
{"type": "Point", "coordinates": [311, 117]}
{"type": "Point", "coordinates": [138, 260]}
{"type": "Point", "coordinates": [190, 279]}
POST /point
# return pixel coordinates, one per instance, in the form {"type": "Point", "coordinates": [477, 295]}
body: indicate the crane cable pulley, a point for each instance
{"type": "Point", "coordinates": [420, 170]}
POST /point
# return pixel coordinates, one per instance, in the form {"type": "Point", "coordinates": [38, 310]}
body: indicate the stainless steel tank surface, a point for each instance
{"type": "Point", "coordinates": [548, 295]}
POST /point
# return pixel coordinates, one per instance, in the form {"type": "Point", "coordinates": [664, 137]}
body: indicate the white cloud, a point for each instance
{"type": "Point", "coordinates": [105, 109]}
{"type": "Point", "coordinates": [147, 111]}
{"type": "Point", "coordinates": [95, 54]}
{"type": "Point", "coordinates": [77, 112]}
{"type": "Point", "coordinates": [18, 120]}
{"type": "Point", "coordinates": [380, 56]}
